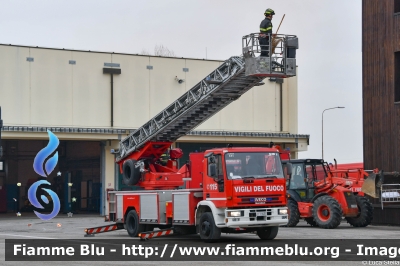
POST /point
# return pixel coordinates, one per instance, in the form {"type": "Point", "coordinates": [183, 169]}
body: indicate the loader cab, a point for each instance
{"type": "Point", "coordinates": [305, 173]}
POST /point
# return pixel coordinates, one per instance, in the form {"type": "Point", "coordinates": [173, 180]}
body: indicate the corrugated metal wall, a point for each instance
{"type": "Point", "coordinates": [41, 87]}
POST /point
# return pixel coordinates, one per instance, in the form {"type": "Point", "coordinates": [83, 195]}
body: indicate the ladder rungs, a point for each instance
{"type": "Point", "coordinates": [205, 99]}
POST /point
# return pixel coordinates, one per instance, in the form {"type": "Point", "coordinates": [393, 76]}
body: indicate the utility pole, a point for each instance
{"type": "Point", "coordinates": [340, 107]}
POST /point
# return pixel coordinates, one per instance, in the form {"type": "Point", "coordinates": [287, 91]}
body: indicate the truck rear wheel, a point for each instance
{"type": "Point", "coordinates": [132, 224]}
{"type": "Point", "coordinates": [209, 232]}
{"type": "Point", "coordinates": [293, 211]}
{"type": "Point", "coordinates": [365, 215]}
{"type": "Point", "coordinates": [327, 212]}
{"type": "Point", "coordinates": [131, 175]}
{"type": "Point", "coordinates": [268, 233]}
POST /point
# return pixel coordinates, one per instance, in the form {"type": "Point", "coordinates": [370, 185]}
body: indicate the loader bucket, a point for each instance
{"type": "Point", "coordinates": [372, 184]}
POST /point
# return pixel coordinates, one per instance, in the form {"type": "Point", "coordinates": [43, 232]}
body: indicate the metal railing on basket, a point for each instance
{"type": "Point", "coordinates": [278, 48]}
{"type": "Point", "coordinates": [390, 193]}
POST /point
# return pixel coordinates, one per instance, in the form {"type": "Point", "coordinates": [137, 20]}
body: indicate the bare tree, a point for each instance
{"type": "Point", "coordinates": [159, 50]}
{"type": "Point", "coordinates": [145, 52]}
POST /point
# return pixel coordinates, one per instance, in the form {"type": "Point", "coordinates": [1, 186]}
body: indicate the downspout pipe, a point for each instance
{"type": "Point", "coordinates": [280, 82]}
{"type": "Point", "coordinates": [112, 71]}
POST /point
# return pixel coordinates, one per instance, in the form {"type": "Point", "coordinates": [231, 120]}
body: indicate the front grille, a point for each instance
{"type": "Point", "coordinates": [350, 199]}
{"type": "Point", "coordinates": [259, 199]}
{"type": "Point", "coordinates": [253, 215]}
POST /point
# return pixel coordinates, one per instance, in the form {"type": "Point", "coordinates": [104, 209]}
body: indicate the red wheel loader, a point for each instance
{"type": "Point", "coordinates": [322, 199]}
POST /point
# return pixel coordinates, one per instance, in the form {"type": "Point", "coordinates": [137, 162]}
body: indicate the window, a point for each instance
{"type": "Point", "coordinates": [218, 175]}
{"type": "Point", "coordinates": [297, 179]}
{"type": "Point", "coordinates": [216, 159]}
{"type": "Point", "coordinates": [220, 172]}
{"type": "Point", "coordinates": [397, 77]}
{"type": "Point", "coordinates": [253, 164]}
{"type": "Point", "coordinates": [396, 6]}
{"type": "Point", "coordinates": [316, 172]}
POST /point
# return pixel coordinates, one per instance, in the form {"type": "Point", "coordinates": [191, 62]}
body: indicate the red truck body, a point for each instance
{"type": "Point", "coordinates": [234, 197]}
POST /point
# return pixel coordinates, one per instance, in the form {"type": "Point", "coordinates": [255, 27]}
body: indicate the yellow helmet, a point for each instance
{"type": "Point", "coordinates": [269, 11]}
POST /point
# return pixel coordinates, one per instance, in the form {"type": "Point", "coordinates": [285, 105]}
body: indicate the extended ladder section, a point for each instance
{"type": "Point", "coordinates": [224, 85]}
{"type": "Point", "coordinates": [221, 87]}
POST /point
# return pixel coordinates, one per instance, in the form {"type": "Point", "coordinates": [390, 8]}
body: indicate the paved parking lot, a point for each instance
{"type": "Point", "coordinates": [28, 226]}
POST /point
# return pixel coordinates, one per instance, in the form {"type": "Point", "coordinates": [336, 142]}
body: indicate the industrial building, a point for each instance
{"type": "Point", "coordinates": [381, 95]}
{"type": "Point", "coordinates": [91, 100]}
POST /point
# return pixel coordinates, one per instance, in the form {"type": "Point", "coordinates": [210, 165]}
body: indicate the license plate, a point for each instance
{"type": "Point", "coordinates": [261, 214]}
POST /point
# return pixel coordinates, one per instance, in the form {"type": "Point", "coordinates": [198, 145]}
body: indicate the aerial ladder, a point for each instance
{"type": "Point", "coordinates": [162, 202]}
{"type": "Point", "coordinates": [222, 86]}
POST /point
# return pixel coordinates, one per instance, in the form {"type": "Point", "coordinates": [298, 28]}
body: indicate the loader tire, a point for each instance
{"type": "Point", "coordinates": [209, 232]}
{"type": "Point", "coordinates": [327, 212]}
{"type": "Point", "coordinates": [311, 221]}
{"type": "Point", "coordinates": [293, 213]}
{"type": "Point", "coordinates": [365, 214]}
{"type": "Point", "coordinates": [268, 233]}
{"type": "Point", "coordinates": [131, 175]}
{"type": "Point", "coordinates": [132, 224]}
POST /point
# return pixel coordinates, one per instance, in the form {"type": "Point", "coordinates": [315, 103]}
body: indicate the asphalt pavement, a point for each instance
{"type": "Point", "coordinates": [28, 226]}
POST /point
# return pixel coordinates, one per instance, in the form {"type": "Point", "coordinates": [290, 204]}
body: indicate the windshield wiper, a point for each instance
{"type": "Point", "coordinates": [248, 176]}
{"type": "Point", "coordinates": [259, 176]}
{"type": "Point", "coordinates": [267, 176]}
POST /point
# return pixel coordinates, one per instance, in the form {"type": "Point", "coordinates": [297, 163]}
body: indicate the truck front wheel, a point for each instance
{"type": "Point", "coordinates": [267, 233]}
{"type": "Point", "coordinates": [209, 232]}
{"type": "Point", "coordinates": [293, 211]}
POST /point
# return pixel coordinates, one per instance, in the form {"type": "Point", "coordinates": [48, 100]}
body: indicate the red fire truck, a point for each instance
{"type": "Point", "coordinates": [226, 189]}
{"type": "Point", "coordinates": [222, 190]}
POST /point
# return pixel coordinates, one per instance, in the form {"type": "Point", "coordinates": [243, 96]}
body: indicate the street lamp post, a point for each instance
{"type": "Point", "coordinates": [323, 127]}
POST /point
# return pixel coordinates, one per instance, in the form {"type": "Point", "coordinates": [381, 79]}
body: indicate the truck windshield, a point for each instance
{"type": "Point", "coordinates": [253, 164]}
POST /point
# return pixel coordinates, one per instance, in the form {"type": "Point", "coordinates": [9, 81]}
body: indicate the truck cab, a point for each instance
{"type": "Point", "coordinates": [243, 190]}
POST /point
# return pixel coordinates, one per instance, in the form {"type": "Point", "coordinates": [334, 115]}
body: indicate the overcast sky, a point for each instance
{"type": "Point", "coordinates": [329, 57]}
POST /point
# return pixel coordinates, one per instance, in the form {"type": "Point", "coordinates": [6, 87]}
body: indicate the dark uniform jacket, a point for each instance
{"type": "Point", "coordinates": [263, 38]}
{"type": "Point", "coordinates": [266, 26]}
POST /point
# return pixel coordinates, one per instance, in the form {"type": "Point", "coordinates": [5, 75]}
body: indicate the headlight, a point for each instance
{"type": "Point", "coordinates": [234, 214]}
{"type": "Point", "coordinates": [282, 211]}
